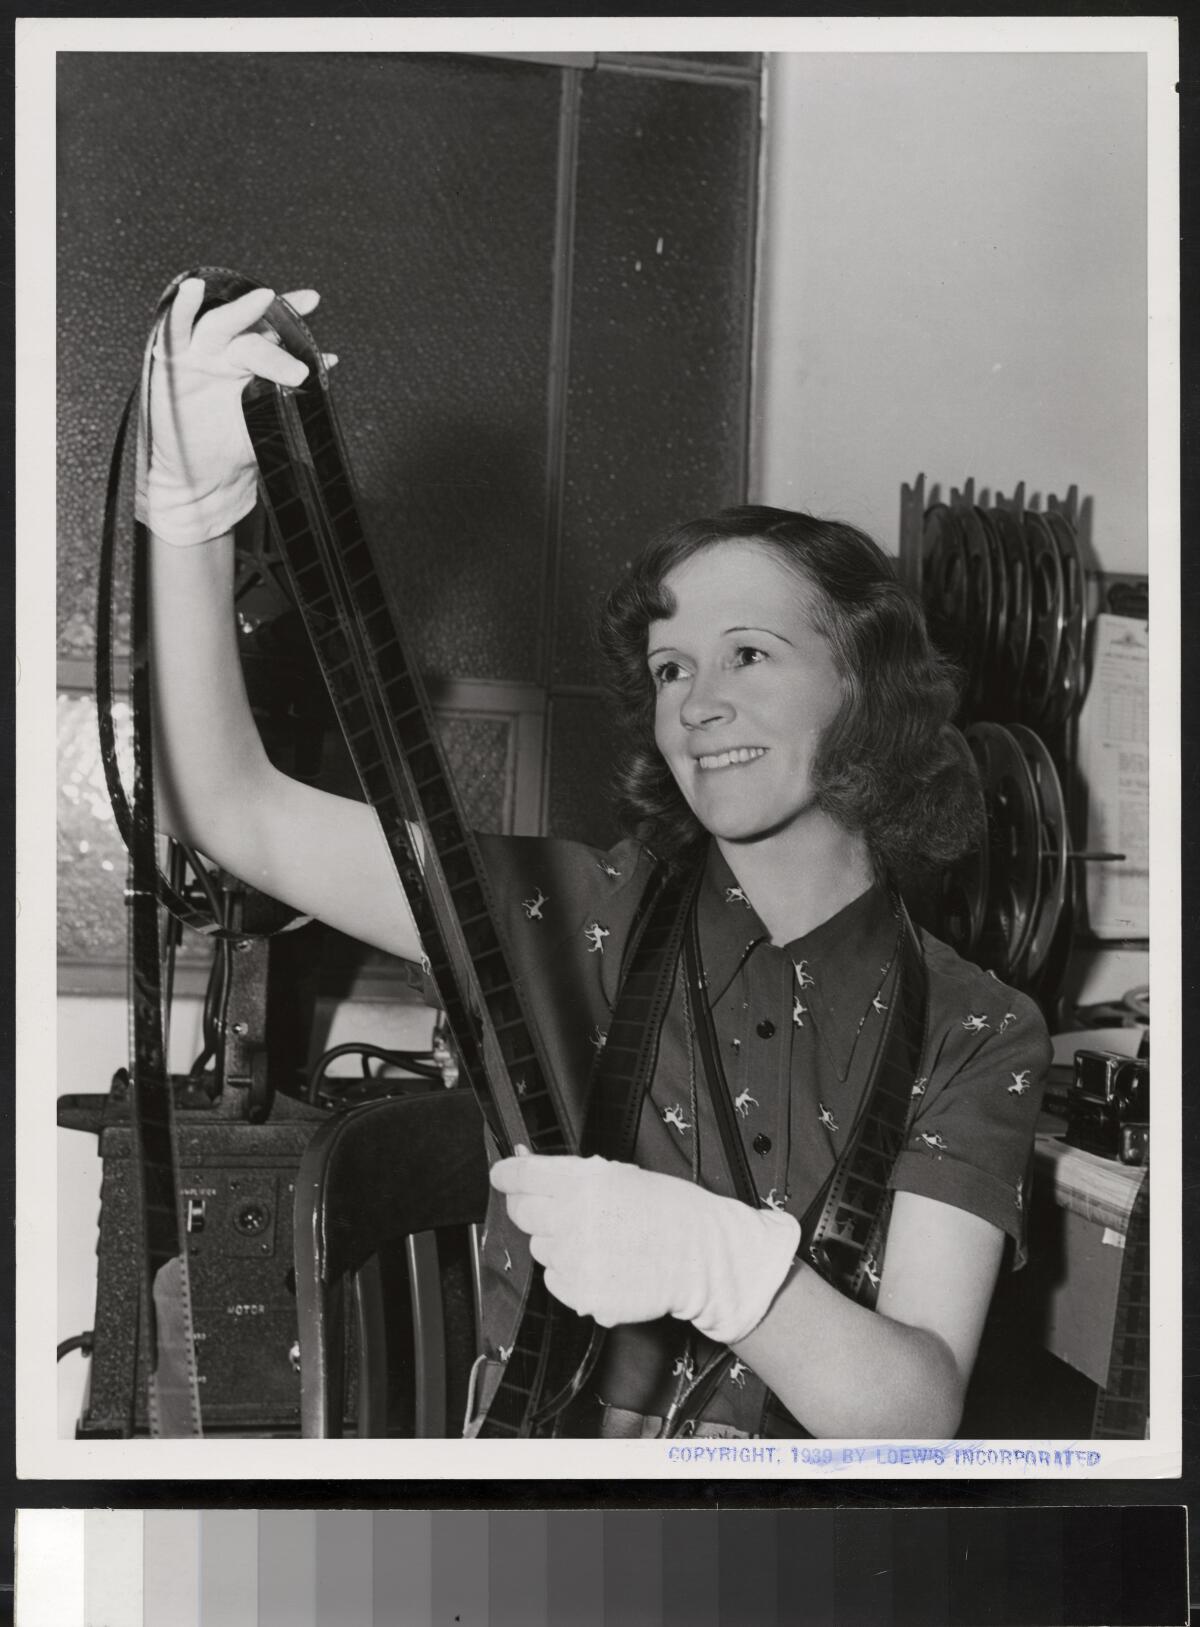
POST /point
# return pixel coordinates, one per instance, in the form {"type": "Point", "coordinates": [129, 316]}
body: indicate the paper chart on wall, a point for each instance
{"type": "Point", "coordinates": [1114, 764]}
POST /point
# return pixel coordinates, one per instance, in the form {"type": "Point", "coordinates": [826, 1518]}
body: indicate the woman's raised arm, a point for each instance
{"type": "Point", "coordinates": [218, 790]}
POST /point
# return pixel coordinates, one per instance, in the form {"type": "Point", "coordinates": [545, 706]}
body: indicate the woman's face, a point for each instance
{"type": "Point", "coordinates": [745, 688]}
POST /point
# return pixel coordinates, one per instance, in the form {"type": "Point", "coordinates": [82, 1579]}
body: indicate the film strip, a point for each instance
{"type": "Point", "coordinates": [392, 739]}
{"type": "Point", "coordinates": [844, 1229]}
{"type": "Point", "coordinates": [389, 729]}
{"type": "Point", "coordinates": [165, 1304]}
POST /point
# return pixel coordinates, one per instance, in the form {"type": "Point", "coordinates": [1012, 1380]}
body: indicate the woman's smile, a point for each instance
{"type": "Point", "coordinates": [738, 757]}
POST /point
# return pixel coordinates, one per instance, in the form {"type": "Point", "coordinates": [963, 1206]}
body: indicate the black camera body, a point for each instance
{"type": "Point", "coordinates": [1108, 1106]}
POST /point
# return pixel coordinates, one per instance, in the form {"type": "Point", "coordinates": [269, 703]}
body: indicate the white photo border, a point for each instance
{"type": "Point", "coordinates": [40, 1453]}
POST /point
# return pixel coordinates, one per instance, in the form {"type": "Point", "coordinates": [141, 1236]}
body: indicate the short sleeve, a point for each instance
{"type": "Point", "coordinates": [970, 1139]}
{"type": "Point", "coordinates": [554, 899]}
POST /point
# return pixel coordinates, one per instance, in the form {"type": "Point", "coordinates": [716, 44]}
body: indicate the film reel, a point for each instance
{"type": "Point", "coordinates": [1014, 863]}
{"type": "Point", "coordinates": [993, 682]}
{"type": "Point", "coordinates": [1049, 618]}
{"type": "Point", "coordinates": [1018, 627]}
{"type": "Point", "coordinates": [952, 903]}
{"type": "Point", "coordinates": [1047, 987]}
{"type": "Point", "coordinates": [1053, 841]}
{"type": "Point", "coordinates": [1067, 690]}
{"type": "Point", "coordinates": [979, 628]}
{"type": "Point", "coordinates": [959, 903]}
{"type": "Point", "coordinates": [944, 585]}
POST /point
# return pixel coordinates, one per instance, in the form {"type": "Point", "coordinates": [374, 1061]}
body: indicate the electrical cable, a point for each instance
{"type": "Point", "coordinates": [220, 977]}
{"type": "Point", "coordinates": [420, 1064]}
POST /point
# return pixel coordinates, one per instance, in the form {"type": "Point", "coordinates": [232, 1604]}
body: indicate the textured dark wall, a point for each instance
{"type": "Point", "coordinates": [539, 284]}
{"type": "Point", "coordinates": [661, 301]}
{"type": "Point", "coordinates": [380, 181]}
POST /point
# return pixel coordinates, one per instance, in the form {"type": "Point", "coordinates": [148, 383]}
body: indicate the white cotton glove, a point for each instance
{"type": "Point", "coordinates": [623, 1244]}
{"type": "Point", "coordinates": [196, 474]}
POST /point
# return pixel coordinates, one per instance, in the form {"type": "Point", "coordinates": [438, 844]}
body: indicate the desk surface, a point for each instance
{"type": "Point", "coordinates": [1099, 1189]}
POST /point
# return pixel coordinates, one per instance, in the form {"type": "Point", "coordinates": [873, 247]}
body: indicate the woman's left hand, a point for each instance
{"type": "Point", "coordinates": [622, 1244]}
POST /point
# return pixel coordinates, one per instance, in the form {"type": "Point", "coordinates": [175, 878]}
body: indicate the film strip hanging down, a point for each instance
{"type": "Point", "coordinates": [166, 1333]}
{"type": "Point", "coordinates": [387, 722]}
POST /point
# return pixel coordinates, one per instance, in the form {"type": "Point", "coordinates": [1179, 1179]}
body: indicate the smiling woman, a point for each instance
{"type": "Point", "coordinates": [827, 1160]}
{"type": "Point", "coordinates": [885, 765]}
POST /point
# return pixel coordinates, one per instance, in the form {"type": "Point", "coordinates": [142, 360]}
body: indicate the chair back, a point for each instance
{"type": "Point", "coordinates": [375, 1183]}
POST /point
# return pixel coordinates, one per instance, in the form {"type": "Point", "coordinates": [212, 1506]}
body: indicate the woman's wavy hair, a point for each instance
{"type": "Point", "coordinates": [890, 765]}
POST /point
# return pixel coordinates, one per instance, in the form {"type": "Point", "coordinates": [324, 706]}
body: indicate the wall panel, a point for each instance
{"type": "Point", "coordinates": [659, 351]}
{"type": "Point", "coordinates": [380, 181]}
{"type": "Point", "coordinates": [583, 745]}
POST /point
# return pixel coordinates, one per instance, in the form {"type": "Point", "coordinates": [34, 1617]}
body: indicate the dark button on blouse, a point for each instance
{"type": "Point", "coordinates": [766, 1028]}
{"type": "Point", "coordinates": [762, 1144]}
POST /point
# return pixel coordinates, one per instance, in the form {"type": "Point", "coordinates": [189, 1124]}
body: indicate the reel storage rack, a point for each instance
{"type": "Point", "coordinates": [1008, 598]}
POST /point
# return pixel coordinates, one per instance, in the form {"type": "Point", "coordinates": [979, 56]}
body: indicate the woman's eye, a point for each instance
{"type": "Point", "coordinates": [665, 673]}
{"type": "Point", "coordinates": [747, 655]}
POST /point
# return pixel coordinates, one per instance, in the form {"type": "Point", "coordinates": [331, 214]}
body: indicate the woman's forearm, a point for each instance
{"type": "Point", "coordinates": [843, 1370]}
{"type": "Point", "coordinates": [217, 789]}
{"type": "Point", "coordinates": [210, 758]}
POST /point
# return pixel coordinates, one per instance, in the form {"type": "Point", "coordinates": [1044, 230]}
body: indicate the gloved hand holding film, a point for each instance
{"type": "Point", "coordinates": [197, 475]}
{"type": "Point", "coordinates": [622, 1244]}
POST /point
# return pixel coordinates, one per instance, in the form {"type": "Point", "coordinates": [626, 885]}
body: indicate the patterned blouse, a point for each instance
{"type": "Point", "coordinates": [798, 1028]}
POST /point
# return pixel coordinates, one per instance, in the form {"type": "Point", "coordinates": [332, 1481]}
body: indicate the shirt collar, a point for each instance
{"type": "Point", "coordinates": [840, 964]}
{"type": "Point", "coordinates": [729, 924]}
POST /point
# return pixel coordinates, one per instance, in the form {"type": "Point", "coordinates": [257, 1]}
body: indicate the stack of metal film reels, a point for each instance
{"type": "Point", "coordinates": [1006, 597]}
